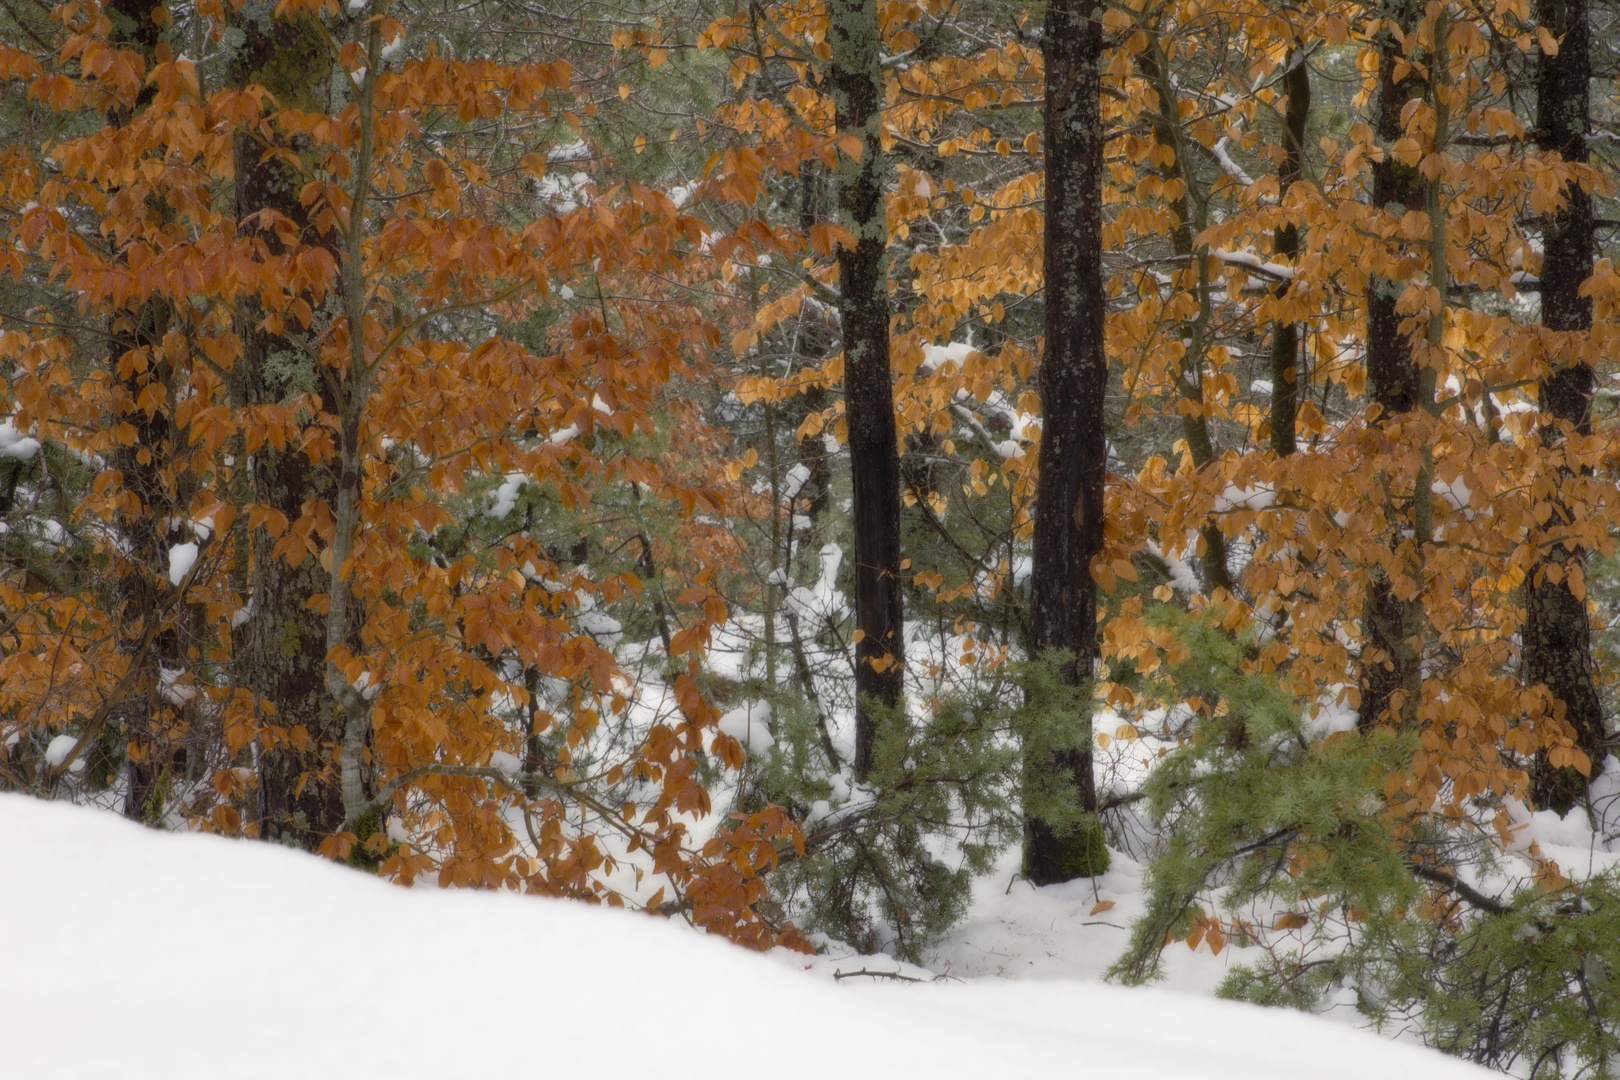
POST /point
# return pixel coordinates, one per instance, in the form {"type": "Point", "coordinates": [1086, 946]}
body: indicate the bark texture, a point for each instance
{"type": "Point", "coordinates": [1557, 632]}
{"type": "Point", "coordinates": [143, 378]}
{"type": "Point", "coordinates": [285, 641]}
{"type": "Point", "coordinates": [1389, 662]}
{"type": "Point", "coordinates": [857, 86]}
{"type": "Point", "coordinates": [1285, 374]}
{"type": "Point", "coordinates": [1190, 220]}
{"type": "Point", "coordinates": [1073, 377]}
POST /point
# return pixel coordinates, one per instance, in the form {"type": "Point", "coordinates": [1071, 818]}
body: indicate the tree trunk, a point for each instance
{"type": "Point", "coordinates": [1285, 381]}
{"type": "Point", "coordinates": [284, 651]}
{"type": "Point", "coordinates": [1194, 332]}
{"type": "Point", "coordinates": [1072, 380]}
{"type": "Point", "coordinates": [135, 357]}
{"type": "Point", "coordinates": [1389, 664]}
{"type": "Point", "coordinates": [1557, 632]}
{"type": "Point", "coordinates": [857, 86]}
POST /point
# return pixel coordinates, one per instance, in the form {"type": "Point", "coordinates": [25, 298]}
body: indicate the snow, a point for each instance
{"type": "Point", "coordinates": [607, 630]}
{"type": "Point", "coordinates": [1456, 494]}
{"type": "Point", "coordinates": [1230, 167]}
{"type": "Point", "coordinates": [506, 496]}
{"type": "Point", "coordinates": [1245, 498]}
{"type": "Point", "coordinates": [748, 725]}
{"type": "Point", "coordinates": [181, 558]}
{"type": "Point", "coordinates": [58, 751]}
{"type": "Point", "coordinates": [1332, 715]}
{"type": "Point", "coordinates": [338, 962]}
{"type": "Point", "coordinates": [507, 763]}
{"type": "Point", "coordinates": [1182, 577]}
{"type": "Point", "coordinates": [392, 49]}
{"type": "Point", "coordinates": [823, 602]}
{"type": "Point", "coordinates": [15, 445]}
{"type": "Point", "coordinates": [795, 480]}
{"type": "Point", "coordinates": [366, 686]}
{"type": "Point", "coordinates": [170, 686]}
{"type": "Point", "coordinates": [1280, 271]}
{"type": "Point", "coordinates": [1569, 841]}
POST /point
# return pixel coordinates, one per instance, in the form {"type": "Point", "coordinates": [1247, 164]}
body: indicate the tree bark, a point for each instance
{"type": "Point", "coordinates": [1072, 380]}
{"type": "Point", "coordinates": [1389, 664]}
{"type": "Point", "coordinates": [1285, 381]}
{"type": "Point", "coordinates": [1190, 220]}
{"type": "Point", "coordinates": [135, 357]}
{"type": "Point", "coordinates": [857, 86]}
{"type": "Point", "coordinates": [285, 641]}
{"type": "Point", "coordinates": [1557, 632]}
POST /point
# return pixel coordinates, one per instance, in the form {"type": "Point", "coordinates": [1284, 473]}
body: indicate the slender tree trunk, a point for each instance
{"type": "Point", "coordinates": [136, 359]}
{"type": "Point", "coordinates": [1285, 381]}
{"type": "Point", "coordinates": [857, 86]}
{"type": "Point", "coordinates": [1389, 664]}
{"type": "Point", "coordinates": [284, 652]}
{"type": "Point", "coordinates": [1073, 377]}
{"type": "Point", "coordinates": [1557, 632]}
{"type": "Point", "coordinates": [1194, 332]}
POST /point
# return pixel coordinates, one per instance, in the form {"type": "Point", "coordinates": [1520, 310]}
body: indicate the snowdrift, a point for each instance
{"type": "Point", "coordinates": [136, 954]}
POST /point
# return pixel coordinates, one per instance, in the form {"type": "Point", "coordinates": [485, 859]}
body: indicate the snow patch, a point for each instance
{"type": "Point", "coordinates": [749, 725]}
{"type": "Point", "coordinates": [58, 751]}
{"type": "Point", "coordinates": [506, 496]}
{"type": "Point", "coordinates": [15, 445]}
{"type": "Point", "coordinates": [181, 559]}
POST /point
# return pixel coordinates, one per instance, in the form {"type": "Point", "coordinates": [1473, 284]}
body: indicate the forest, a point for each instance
{"type": "Point", "coordinates": [768, 463]}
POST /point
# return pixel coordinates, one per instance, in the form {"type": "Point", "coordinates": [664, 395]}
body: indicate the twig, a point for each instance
{"type": "Point", "coordinates": [895, 975]}
{"type": "Point", "coordinates": [1449, 881]}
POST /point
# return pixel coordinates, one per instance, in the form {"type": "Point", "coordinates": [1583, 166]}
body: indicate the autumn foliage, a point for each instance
{"type": "Point", "coordinates": [429, 302]}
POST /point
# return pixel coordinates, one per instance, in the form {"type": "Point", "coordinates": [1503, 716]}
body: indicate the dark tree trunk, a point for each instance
{"type": "Point", "coordinates": [285, 642]}
{"type": "Point", "coordinates": [1073, 377]}
{"type": "Point", "coordinates": [857, 86]}
{"type": "Point", "coordinates": [1389, 664]}
{"type": "Point", "coordinates": [136, 359]}
{"type": "Point", "coordinates": [1285, 381]}
{"type": "Point", "coordinates": [1557, 632]}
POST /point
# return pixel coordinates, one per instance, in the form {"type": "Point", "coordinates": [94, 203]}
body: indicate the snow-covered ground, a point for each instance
{"type": "Point", "coordinates": [137, 954]}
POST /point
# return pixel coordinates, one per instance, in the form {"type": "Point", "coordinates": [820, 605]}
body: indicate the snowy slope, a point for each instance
{"type": "Point", "coordinates": [135, 954]}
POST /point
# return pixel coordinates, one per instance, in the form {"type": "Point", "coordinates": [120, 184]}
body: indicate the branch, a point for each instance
{"type": "Point", "coordinates": [1449, 881]}
{"type": "Point", "coordinates": [515, 781]}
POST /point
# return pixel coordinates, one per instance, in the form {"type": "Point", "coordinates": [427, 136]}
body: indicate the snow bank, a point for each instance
{"type": "Point", "coordinates": [251, 961]}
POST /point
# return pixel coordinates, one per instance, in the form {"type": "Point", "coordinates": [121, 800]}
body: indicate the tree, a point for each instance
{"type": "Point", "coordinates": [338, 376]}
{"type": "Point", "coordinates": [1073, 377]}
{"type": "Point", "coordinates": [1557, 632]}
{"type": "Point", "coordinates": [856, 78]}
